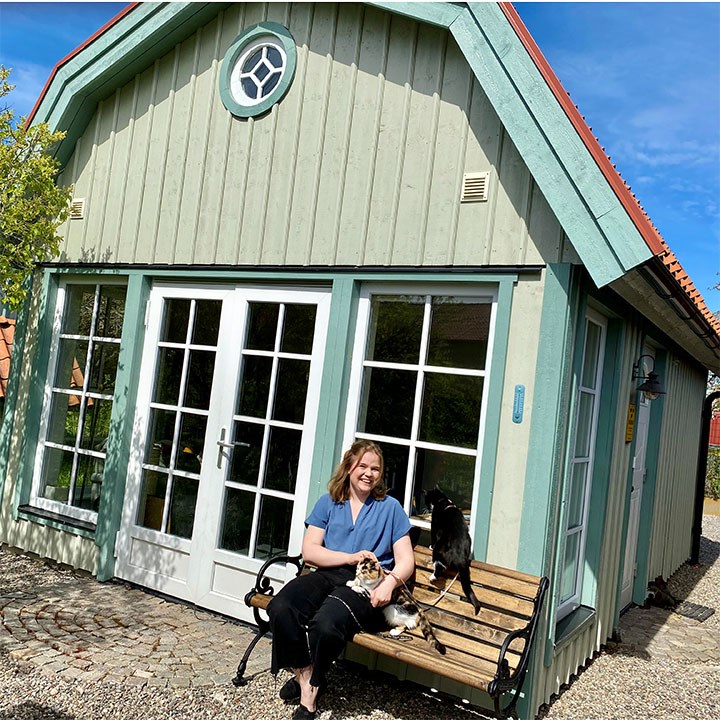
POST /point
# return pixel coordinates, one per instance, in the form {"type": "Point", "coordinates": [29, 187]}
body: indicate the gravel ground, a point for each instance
{"type": "Point", "coordinates": [621, 683]}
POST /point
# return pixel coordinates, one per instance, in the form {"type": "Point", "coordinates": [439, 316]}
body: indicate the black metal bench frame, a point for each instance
{"type": "Point", "coordinates": [505, 679]}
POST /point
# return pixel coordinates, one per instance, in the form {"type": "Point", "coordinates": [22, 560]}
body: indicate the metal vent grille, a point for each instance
{"type": "Point", "coordinates": [475, 187]}
{"type": "Point", "coordinates": [77, 209]}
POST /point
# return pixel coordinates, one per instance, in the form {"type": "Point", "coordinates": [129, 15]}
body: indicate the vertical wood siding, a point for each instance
{"type": "Point", "coordinates": [360, 164]}
{"type": "Point", "coordinates": [673, 502]}
{"type": "Point", "coordinates": [670, 541]}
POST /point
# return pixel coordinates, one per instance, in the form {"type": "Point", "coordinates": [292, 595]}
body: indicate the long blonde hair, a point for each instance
{"type": "Point", "coordinates": [339, 485]}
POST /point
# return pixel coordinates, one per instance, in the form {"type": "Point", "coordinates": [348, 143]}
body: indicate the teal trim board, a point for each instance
{"type": "Point", "coordinates": [36, 384]}
{"type": "Point", "coordinates": [7, 422]}
{"type": "Point", "coordinates": [121, 423]}
{"type": "Point", "coordinates": [548, 420]}
{"type": "Point", "coordinates": [647, 508]}
{"type": "Point", "coordinates": [334, 386]}
{"type": "Point", "coordinates": [481, 533]}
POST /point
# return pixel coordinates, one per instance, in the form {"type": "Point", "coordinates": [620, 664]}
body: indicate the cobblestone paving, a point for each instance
{"type": "Point", "coordinates": [72, 626]}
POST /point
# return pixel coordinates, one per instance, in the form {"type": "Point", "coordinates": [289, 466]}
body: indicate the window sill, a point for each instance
{"type": "Point", "coordinates": [62, 522]}
{"type": "Point", "coordinates": [572, 624]}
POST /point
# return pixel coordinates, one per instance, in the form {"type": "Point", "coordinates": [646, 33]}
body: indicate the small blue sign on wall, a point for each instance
{"type": "Point", "coordinates": [518, 404]}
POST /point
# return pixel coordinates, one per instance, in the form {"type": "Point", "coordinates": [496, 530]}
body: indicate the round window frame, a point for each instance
{"type": "Point", "coordinates": [281, 35]}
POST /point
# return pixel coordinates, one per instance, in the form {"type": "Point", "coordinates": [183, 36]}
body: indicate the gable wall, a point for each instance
{"type": "Point", "coordinates": [360, 164]}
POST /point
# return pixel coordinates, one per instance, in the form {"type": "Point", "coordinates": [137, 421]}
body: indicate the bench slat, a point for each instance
{"type": "Point", "coordinates": [453, 665]}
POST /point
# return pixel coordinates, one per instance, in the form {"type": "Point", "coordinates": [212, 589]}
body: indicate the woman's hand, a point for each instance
{"type": "Point", "coordinates": [382, 594]}
{"type": "Point", "coordinates": [355, 558]}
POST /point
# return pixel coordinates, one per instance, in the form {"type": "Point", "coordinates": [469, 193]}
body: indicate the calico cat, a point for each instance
{"type": "Point", "coordinates": [450, 541]}
{"type": "Point", "coordinates": [402, 612]}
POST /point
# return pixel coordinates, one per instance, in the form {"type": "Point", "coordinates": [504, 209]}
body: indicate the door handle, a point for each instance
{"type": "Point", "coordinates": [230, 445]}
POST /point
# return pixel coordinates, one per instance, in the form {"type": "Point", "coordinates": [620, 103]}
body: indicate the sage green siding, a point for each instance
{"type": "Point", "coordinates": [667, 505]}
{"type": "Point", "coordinates": [360, 164]}
{"type": "Point", "coordinates": [670, 539]}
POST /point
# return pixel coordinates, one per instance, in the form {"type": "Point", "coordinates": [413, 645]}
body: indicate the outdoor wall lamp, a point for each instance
{"type": "Point", "coordinates": [652, 387]}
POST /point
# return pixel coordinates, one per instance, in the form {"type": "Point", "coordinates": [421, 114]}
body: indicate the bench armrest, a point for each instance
{"type": "Point", "coordinates": [262, 584]}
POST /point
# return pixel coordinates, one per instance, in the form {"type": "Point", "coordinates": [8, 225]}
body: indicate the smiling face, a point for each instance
{"type": "Point", "coordinates": [365, 475]}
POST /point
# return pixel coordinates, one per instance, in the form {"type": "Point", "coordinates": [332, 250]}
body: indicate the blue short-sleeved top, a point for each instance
{"type": "Point", "coordinates": [379, 525]}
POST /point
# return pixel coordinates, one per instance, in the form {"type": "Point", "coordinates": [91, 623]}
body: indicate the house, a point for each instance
{"type": "Point", "coordinates": [295, 224]}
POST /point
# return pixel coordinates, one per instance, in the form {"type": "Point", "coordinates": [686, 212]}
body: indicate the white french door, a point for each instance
{"type": "Point", "coordinates": [223, 437]}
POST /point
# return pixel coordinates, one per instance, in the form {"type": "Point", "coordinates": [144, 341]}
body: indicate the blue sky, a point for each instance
{"type": "Point", "coordinates": [646, 77]}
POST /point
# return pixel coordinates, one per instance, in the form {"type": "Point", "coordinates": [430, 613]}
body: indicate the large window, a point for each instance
{"type": "Point", "coordinates": [79, 398]}
{"type": "Point", "coordinates": [579, 479]}
{"type": "Point", "coordinates": [421, 387]}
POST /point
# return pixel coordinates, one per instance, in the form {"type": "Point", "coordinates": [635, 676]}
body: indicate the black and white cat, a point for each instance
{"type": "Point", "coordinates": [450, 540]}
{"type": "Point", "coordinates": [402, 612]}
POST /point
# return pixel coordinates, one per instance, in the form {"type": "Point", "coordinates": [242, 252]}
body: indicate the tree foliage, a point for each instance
{"type": "Point", "coordinates": [32, 206]}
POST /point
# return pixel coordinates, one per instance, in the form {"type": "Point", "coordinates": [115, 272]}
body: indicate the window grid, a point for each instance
{"type": "Point", "coordinates": [81, 393]}
{"type": "Point", "coordinates": [423, 369]}
{"type": "Point", "coordinates": [594, 343]}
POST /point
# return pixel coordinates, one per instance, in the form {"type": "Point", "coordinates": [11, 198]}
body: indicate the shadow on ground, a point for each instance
{"type": "Point", "coordinates": [33, 711]}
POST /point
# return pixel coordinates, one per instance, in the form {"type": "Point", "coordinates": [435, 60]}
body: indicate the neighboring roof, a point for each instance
{"type": "Point", "coordinates": [597, 210]}
{"type": "Point", "coordinates": [7, 336]}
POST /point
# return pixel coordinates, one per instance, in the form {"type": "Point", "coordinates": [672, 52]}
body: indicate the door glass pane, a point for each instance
{"type": "Point", "coordinates": [569, 566]}
{"type": "Point", "coordinates": [283, 459]}
{"type": "Point", "coordinates": [255, 386]}
{"type": "Point", "coordinates": [79, 303]}
{"type": "Point", "coordinates": [103, 367]}
{"type": "Point", "coordinates": [298, 329]}
{"type": "Point", "coordinates": [262, 326]}
{"type": "Point", "coordinates": [590, 361]}
{"type": "Point", "coordinates": [88, 482]}
{"type": "Point", "coordinates": [182, 507]}
{"type": "Point", "coordinates": [459, 334]}
{"type": "Point", "coordinates": [190, 443]}
{"type": "Point", "coordinates": [111, 311]}
{"type": "Point", "coordinates": [586, 403]}
{"type": "Point", "coordinates": [453, 474]}
{"type": "Point", "coordinates": [160, 437]}
{"type": "Point", "coordinates": [274, 530]}
{"type": "Point", "coordinates": [237, 521]}
{"type": "Point", "coordinates": [245, 456]}
{"type": "Point", "coordinates": [389, 402]}
{"type": "Point", "coordinates": [70, 369]}
{"type": "Point", "coordinates": [207, 322]}
{"type": "Point", "coordinates": [175, 322]}
{"type": "Point", "coordinates": [291, 390]}
{"type": "Point", "coordinates": [63, 421]}
{"type": "Point", "coordinates": [96, 424]}
{"type": "Point", "coordinates": [577, 495]}
{"type": "Point", "coordinates": [152, 499]}
{"type": "Point", "coordinates": [57, 471]}
{"type": "Point", "coordinates": [201, 368]}
{"type": "Point", "coordinates": [451, 410]}
{"type": "Point", "coordinates": [397, 330]}
{"type": "Point", "coordinates": [169, 376]}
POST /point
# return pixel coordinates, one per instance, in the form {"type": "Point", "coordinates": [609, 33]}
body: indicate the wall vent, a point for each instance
{"type": "Point", "coordinates": [77, 209]}
{"type": "Point", "coordinates": [475, 187]}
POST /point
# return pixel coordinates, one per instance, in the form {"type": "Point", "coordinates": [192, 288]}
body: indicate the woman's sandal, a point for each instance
{"type": "Point", "coordinates": [302, 713]}
{"type": "Point", "coordinates": [290, 691]}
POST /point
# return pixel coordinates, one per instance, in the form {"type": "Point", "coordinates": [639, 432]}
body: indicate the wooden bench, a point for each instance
{"type": "Point", "coordinates": [489, 651]}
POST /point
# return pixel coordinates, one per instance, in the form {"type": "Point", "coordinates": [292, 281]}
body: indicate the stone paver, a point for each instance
{"type": "Point", "coordinates": [115, 633]}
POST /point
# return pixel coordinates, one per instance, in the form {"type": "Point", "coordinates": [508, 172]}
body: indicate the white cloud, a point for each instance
{"type": "Point", "coordinates": [29, 79]}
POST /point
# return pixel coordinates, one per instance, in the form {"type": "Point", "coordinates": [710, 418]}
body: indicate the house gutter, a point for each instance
{"type": "Point", "coordinates": [700, 479]}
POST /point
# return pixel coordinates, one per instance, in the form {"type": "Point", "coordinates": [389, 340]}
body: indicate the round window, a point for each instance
{"type": "Point", "coordinates": [258, 69]}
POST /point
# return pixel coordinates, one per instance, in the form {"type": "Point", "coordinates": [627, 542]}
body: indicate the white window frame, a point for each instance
{"type": "Point", "coordinates": [36, 499]}
{"type": "Point", "coordinates": [483, 292]}
{"type": "Point", "coordinates": [574, 601]}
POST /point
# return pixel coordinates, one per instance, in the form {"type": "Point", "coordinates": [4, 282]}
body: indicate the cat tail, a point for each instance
{"type": "Point", "coordinates": [429, 635]}
{"type": "Point", "coordinates": [467, 589]}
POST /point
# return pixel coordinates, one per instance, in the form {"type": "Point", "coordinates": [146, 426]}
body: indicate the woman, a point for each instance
{"type": "Point", "coordinates": [314, 615]}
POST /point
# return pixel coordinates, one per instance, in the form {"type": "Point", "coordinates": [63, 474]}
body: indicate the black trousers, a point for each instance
{"type": "Point", "coordinates": [313, 617]}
